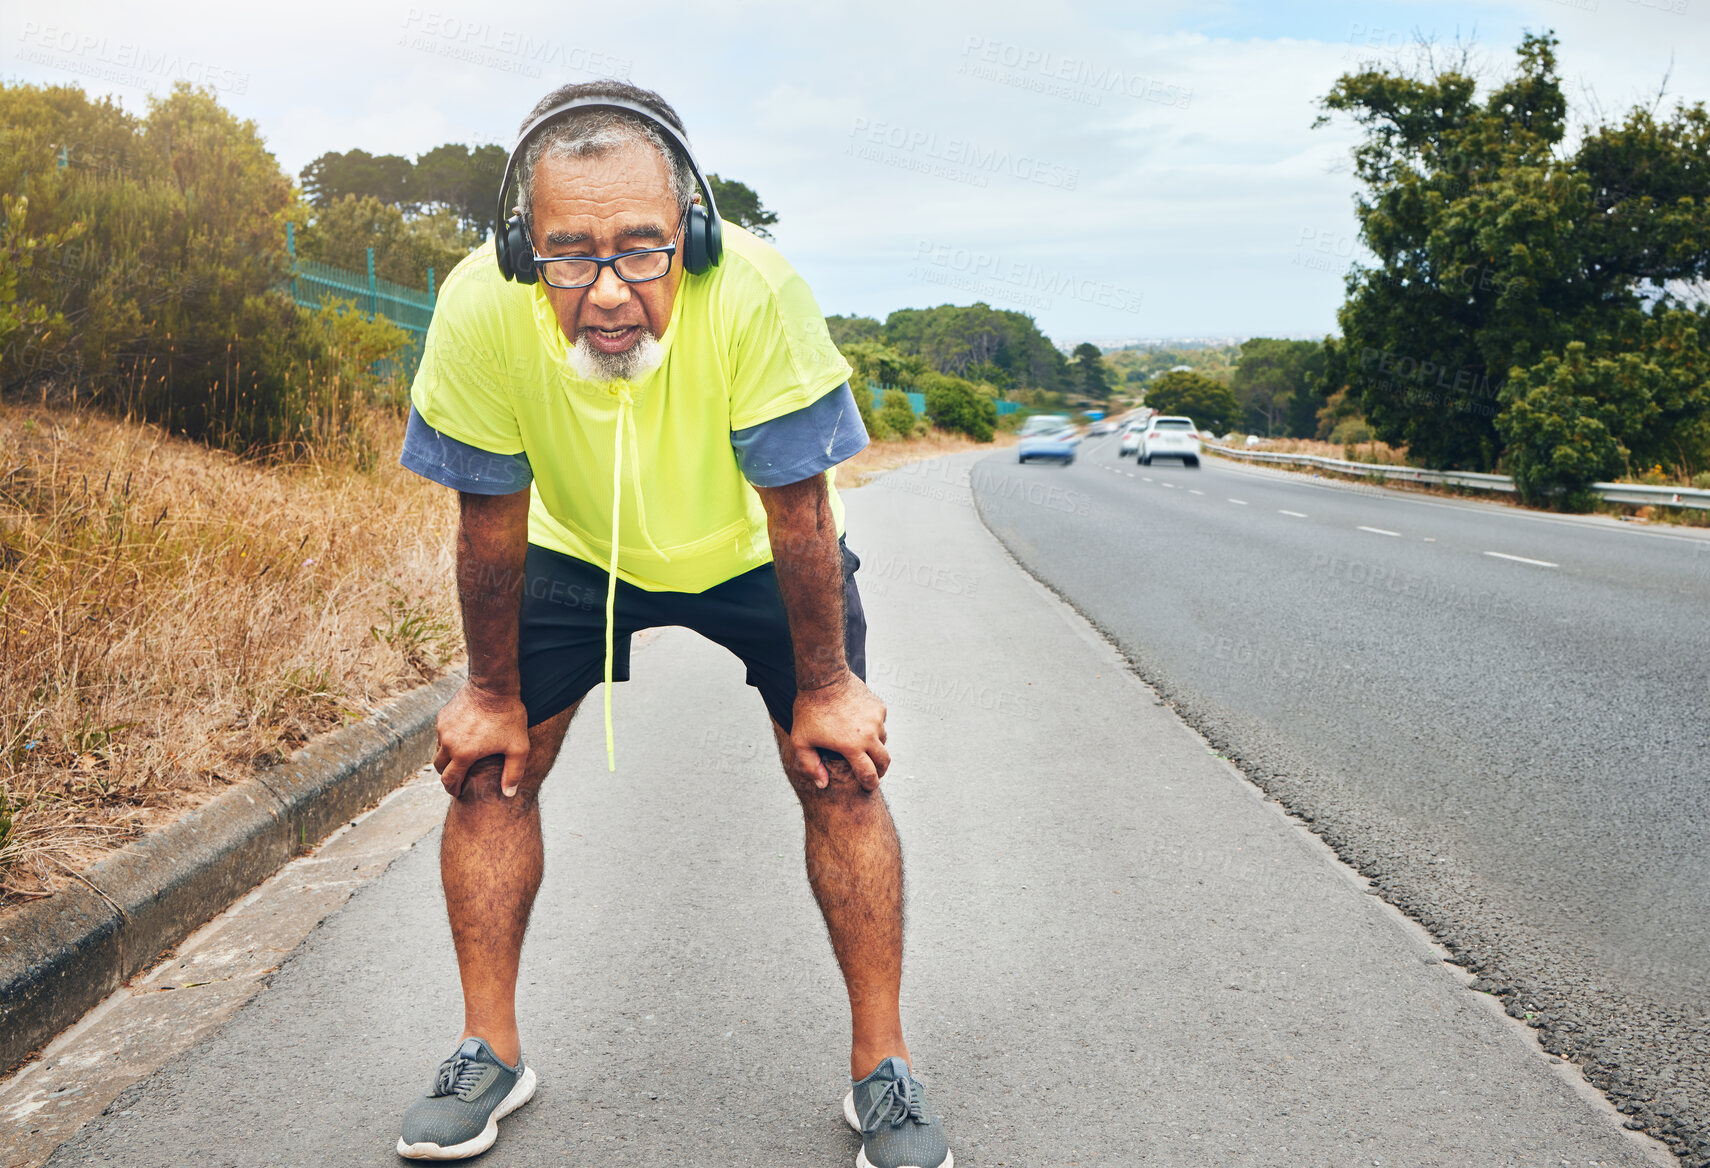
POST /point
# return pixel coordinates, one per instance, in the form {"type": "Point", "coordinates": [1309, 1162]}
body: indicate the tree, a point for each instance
{"type": "Point", "coordinates": [1087, 372]}
{"type": "Point", "coordinates": [169, 273]}
{"type": "Point", "coordinates": [1276, 383]}
{"type": "Point", "coordinates": [461, 180]}
{"type": "Point", "coordinates": [32, 335]}
{"type": "Point", "coordinates": [1496, 248]}
{"type": "Point", "coordinates": [332, 176]}
{"type": "Point", "coordinates": [1572, 420]}
{"type": "Point", "coordinates": [738, 203]}
{"type": "Point", "coordinates": [878, 363]}
{"type": "Point", "coordinates": [961, 340]}
{"type": "Point", "coordinates": [404, 248]}
{"type": "Point", "coordinates": [853, 328]}
{"type": "Point", "coordinates": [1136, 364]}
{"type": "Point", "coordinates": [1194, 395]}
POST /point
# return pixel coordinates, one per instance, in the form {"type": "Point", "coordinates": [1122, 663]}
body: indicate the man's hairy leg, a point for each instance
{"type": "Point", "coordinates": [854, 865]}
{"type": "Point", "coordinates": [490, 861]}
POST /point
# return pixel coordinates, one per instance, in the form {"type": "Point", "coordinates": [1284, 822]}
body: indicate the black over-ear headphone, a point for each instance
{"type": "Point", "coordinates": [703, 239]}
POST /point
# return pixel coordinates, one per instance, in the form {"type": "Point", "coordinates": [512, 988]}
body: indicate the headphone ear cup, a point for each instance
{"type": "Point", "coordinates": [714, 239]}
{"type": "Point", "coordinates": [515, 256]}
{"type": "Point", "coordinates": [695, 242]}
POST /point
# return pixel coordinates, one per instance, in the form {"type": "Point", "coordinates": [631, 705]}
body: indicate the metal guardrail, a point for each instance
{"type": "Point", "coordinates": [1612, 492]}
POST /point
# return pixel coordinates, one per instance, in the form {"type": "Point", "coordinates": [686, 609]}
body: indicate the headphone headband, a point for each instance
{"type": "Point", "coordinates": [702, 242]}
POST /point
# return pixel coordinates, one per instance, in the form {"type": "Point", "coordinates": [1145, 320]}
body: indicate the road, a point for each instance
{"type": "Point", "coordinates": [1498, 716]}
{"type": "Point", "coordinates": [1119, 954]}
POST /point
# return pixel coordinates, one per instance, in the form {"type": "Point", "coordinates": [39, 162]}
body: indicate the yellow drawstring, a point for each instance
{"type": "Point", "coordinates": [625, 418]}
{"type": "Point", "coordinates": [622, 390]}
{"type": "Point", "coordinates": [640, 495]}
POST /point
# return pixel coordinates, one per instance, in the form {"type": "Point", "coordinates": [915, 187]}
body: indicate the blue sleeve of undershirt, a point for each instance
{"type": "Point", "coordinates": [459, 465]}
{"type": "Point", "coordinates": [803, 443]}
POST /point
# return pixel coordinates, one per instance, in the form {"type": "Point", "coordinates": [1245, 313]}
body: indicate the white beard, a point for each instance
{"type": "Point", "coordinates": [635, 362]}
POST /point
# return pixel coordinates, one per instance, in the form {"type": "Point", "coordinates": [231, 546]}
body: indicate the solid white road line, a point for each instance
{"type": "Point", "coordinates": [1296, 514]}
{"type": "Point", "coordinates": [1239, 502]}
{"type": "Point", "coordinates": [1380, 531]}
{"type": "Point", "coordinates": [1522, 560]}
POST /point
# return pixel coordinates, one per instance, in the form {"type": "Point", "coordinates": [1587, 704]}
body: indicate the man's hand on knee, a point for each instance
{"type": "Point", "coordinates": [476, 725]}
{"type": "Point", "coordinates": [845, 717]}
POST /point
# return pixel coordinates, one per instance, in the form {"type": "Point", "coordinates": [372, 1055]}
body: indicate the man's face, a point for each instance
{"type": "Point", "coordinates": [599, 206]}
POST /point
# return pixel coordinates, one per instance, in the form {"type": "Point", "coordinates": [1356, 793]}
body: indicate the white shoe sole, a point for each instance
{"type": "Point", "coordinates": [861, 1160]}
{"type": "Point", "coordinates": [520, 1094]}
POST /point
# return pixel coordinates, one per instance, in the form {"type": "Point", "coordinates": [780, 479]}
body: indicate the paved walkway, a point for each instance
{"type": "Point", "coordinates": [1119, 954]}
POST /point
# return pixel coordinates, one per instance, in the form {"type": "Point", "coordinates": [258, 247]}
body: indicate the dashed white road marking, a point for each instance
{"type": "Point", "coordinates": [1239, 502]}
{"type": "Point", "coordinates": [1145, 478]}
{"type": "Point", "coordinates": [1191, 491]}
{"type": "Point", "coordinates": [1379, 531]}
{"type": "Point", "coordinates": [1430, 539]}
{"type": "Point", "coordinates": [1296, 514]}
{"type": "Point", "coordinates": [1522, 560]}
{"type": "Point", "coordinates": [1130, 473]}
{"type": "Point", "coordinates": [1172, 486]}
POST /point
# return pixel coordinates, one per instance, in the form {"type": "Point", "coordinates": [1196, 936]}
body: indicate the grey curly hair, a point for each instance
{"type": "Point", "coordinates": [590, 133]}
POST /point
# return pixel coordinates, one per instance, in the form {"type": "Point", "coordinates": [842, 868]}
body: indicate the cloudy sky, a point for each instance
{"type": "Point", "coordinates": [1125, 170]}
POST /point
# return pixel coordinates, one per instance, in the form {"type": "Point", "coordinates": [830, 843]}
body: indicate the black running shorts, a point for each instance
{"type": "Point", "coordinates": [562, 647]}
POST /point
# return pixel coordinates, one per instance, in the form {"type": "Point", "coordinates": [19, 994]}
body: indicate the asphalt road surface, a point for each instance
{"type": "Point", "coordinates": [1500, 717]}
{"type": "Point", "coordinates": [1119, 952]}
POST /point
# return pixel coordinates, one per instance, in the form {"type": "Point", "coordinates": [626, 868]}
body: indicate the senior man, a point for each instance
{"type": "Point", "coordinates": [640, 408]}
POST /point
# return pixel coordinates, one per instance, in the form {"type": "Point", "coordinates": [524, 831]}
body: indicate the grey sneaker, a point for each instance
{"type": "Point", "coordinates": [459, 1116]}
{"type": "Point", "coordinates": [889, 1109]}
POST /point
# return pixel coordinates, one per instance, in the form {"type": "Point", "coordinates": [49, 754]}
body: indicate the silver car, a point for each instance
{"type": "Point", "coordinates": [1170, 437]}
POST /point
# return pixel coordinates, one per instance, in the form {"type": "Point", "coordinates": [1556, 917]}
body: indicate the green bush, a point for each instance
{"type": "Point", "coordinates": [896, 416]}
{"type": "Point", "coordinates": [1557, 445]}
{"type": "Point", "coordinates": [958, 405]}
{"type": "Point", "coordinates": [864, 403]}
{"type": "Point", "coordinates": [1352, 431]}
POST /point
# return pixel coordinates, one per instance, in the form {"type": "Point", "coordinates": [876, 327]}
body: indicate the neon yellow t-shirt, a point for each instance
{"type": "Point", "coordinates": [746, 344]}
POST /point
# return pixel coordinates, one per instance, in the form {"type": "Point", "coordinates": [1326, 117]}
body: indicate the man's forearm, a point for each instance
{"type": "Point", "coordinates": [492, 542]}
{"type": "Point", "coordinates": [809, 564]}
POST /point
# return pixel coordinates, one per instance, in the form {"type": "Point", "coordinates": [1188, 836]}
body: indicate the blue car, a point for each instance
{"type": "Point", "coordinates": [1059, 443]}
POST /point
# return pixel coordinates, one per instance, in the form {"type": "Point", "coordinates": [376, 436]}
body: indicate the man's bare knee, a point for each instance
{"type": "Point", "coordinates": [843, 792]}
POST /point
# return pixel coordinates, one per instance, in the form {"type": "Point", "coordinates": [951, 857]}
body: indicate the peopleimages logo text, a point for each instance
{"type": "Point", "coordinates": [123, 61]}
{"type": "Point", "coordinates": [1074, 71]}
{"type": "Point", "coordinates": [448, 32]}
{"type": "Point", "coordinates": [961, 152]}
{"type": "Point", "coordinates": [979, 265]}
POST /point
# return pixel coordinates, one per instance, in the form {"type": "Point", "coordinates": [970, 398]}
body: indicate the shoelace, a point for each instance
{"type": "Point", "coordinates": [456, 1075]}
{"type": "Point", "coordinates": [896, 1105]}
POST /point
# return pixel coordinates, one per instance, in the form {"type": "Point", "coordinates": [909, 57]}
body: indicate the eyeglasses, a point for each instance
{"type": "Point", "coordinates": [632, 267]}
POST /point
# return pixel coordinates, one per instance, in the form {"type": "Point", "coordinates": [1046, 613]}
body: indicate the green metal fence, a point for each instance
{"type": "Point", "coordinates": [918, 400]}
{"type": "Point", "coordinates": [411, 309]}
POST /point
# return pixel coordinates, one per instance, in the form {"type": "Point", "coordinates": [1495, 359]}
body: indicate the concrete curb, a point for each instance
{"type": "Point", "coordinates": [62, 955]}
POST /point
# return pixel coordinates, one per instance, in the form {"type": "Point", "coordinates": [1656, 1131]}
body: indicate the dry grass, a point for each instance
{"type": "Point", "coordinates": [1362, 452]}
{"type": "Point", "coordinates": [173, 619]}
{"type": "Point", "coordinates": [881, 456]}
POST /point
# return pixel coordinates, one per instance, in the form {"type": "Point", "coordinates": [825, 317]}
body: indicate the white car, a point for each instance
{"type": "Point", "coordinates": [1131, 438]}
{"type": "Point", "coordinates": [1167, 437]}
